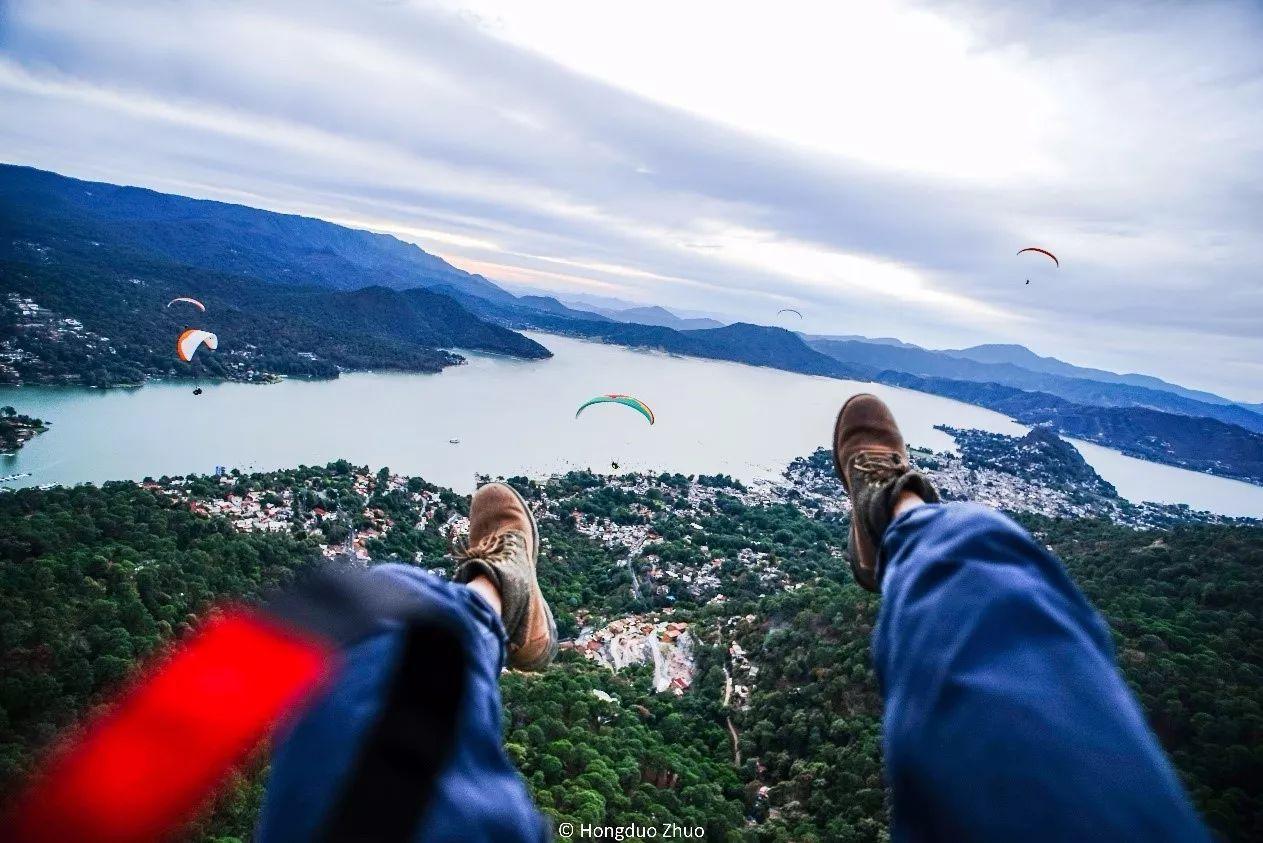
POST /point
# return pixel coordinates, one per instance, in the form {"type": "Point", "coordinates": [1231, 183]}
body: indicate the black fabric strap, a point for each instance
{"type": "Point", "coordinates": [391, 781]}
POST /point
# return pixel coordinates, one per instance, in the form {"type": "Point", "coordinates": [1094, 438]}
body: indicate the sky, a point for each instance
{"type": "Point", "coordinates": [876, 166]}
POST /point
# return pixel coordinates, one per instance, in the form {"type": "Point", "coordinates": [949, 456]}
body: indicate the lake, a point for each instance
{"type": "Point", "coordinates": [514, 417]}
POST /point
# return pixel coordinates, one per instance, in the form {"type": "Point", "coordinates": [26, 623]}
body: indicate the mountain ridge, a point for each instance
{"type": "Point", "coordinates": [220, 236]}
{"type": "Point", "coordinates": [660, 316]}
{"type": "Point", "coordinates": [1020, 355]}
{"type": "Point", "coordinates": [920, 361]}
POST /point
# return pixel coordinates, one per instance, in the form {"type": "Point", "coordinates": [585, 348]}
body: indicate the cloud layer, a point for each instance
{"type": "Point", "coordinates": [876, 169]}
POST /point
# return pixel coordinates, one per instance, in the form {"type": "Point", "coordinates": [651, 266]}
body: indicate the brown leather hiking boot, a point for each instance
{"type": "Point", "coordinates": [872, 461]}
{"type": "Point", "coordinates": [503, 546]}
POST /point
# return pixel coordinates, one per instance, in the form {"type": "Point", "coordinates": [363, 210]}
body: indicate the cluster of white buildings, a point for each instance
{"type": "Point", "coordinates": [274, 510]}
{"type": "Point", "coordinates": [28, 318]}
{"type": "Point", "coordinates": [637, 639]}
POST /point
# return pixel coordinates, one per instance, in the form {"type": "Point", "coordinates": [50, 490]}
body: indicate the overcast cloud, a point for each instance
{"type": "Point", "coordinates": [875, 168]}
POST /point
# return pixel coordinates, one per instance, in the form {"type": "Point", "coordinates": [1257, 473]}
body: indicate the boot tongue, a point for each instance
{"type": "Point", "coordinates": [881, 477]}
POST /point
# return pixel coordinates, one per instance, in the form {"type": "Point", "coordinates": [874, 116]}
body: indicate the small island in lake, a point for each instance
{"type": "Point", "coordinates": [16, 429]}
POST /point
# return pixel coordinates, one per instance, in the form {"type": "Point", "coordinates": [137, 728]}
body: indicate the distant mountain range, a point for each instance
{"type": "Point", "coordinates": [756, 345]}
{"type": "Point", "coordinates": [661, 317]}
{"type": "Point", "coordinates": [1018, 355]}
{"type": "Point", "coordinates": [626, 311]}
{"type": "Point", "coordinates": [812, 338]}
{"type": "Point", "coordinates": [1196, 443]}
{"type": "Point", "coordinates": [961, 365]}
{"type": "Point", "coordinates": [294, 295]}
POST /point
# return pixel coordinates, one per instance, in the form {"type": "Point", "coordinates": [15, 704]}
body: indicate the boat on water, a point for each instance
{"type": "Point", "coordinates": [11, 477]}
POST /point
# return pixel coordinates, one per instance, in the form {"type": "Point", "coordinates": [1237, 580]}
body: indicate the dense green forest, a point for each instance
{"type": "Point", "coordinates": [94, 579]}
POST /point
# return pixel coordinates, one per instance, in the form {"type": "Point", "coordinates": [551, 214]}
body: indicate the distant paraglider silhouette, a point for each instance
{"type": "Point", "coordinates": [789, 310]}
{"type": "Point", "coordinates": [193, 302]}
{"type": "Point", "coordinates": [1045, 252]}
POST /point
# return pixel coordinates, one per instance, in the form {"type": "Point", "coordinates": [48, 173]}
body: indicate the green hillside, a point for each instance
{"type": "Point", "coordinates": [94, 579]}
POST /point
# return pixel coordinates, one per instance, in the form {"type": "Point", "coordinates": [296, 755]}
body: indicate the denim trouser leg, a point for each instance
{"type": "Point", "coordinates": [478, 796]}
{"type": "Point", "coordinates": [1006, 718]}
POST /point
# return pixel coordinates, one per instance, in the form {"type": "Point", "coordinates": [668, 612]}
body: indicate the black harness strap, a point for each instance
{"type": "Point", "coordinates": [391, 781]}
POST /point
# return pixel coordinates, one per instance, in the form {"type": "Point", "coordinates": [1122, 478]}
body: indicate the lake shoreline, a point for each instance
{"type": "Point", "coordinates": [516, 417]}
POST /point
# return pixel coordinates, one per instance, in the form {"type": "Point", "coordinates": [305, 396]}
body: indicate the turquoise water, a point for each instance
{"type": "Point", "coordinates": [513, 417]}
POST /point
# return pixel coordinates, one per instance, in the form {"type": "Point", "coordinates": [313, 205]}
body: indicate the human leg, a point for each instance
{"type": "Point", "coordinates": [1005, 715]}
{"type": "Point", "coordinates": [477, 795]}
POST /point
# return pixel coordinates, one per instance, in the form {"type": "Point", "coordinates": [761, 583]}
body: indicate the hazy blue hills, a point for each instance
{"type": "Point", "coordinates": [756, 345]}
{"type": "Point", "coordinates": [548, 304]}
{"type": "Point", "coordinates": [812, 338]}
{"type": "Point", "coordinates": [1197, 443]}
{"type": "Point", "coordinates": [662, 317]}
{"type": "Point", "coordinates": [45, 210]}
{"type": "Point", "coordinates": [1022, 356]}
{"type": "Point", "coordinates": [920, 361]}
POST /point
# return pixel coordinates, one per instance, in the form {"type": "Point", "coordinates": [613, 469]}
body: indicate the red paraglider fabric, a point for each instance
{"type": "Point", "coordinates": [1042, 252]}
{"type": "Point", "coordinates": [155, 758]}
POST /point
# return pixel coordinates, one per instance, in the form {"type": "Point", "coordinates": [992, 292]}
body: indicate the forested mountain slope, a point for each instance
{"type": "Point", "coordinates": [40, 210]}
{"type": "Point", "coordinates": [107, 323]}
{"type": "Point", "coordinates": [87, 269]}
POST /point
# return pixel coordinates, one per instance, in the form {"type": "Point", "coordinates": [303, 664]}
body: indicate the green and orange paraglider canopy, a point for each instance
{"type": "Point", "coordinates": [617, 398]}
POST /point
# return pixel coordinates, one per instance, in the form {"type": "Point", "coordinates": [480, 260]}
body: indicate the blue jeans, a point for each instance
{"type": "Point", "coordinates": [478, 796]}
{"type": "Point", "coordinates": [1006, 718]}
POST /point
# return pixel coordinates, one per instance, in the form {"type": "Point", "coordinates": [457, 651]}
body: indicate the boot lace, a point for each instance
{"type": "Point", "coordinates": [501, 547]}
{"type": "Point", "coordinates": [880, 466]}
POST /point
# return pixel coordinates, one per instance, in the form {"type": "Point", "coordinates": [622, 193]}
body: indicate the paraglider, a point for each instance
{"type": "Point", "coordinates": [1042, 252]}
{"type": "Point", "coordinates": [789, 310]}
{"type": "Point", "coordinates": [188, 341]}
{"type": "Point", "coordinates": [193, 302]}
{"type": "Point", "coordinates": [197, 391]}
{"type": "Point", "coordinates": [616, 398]}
